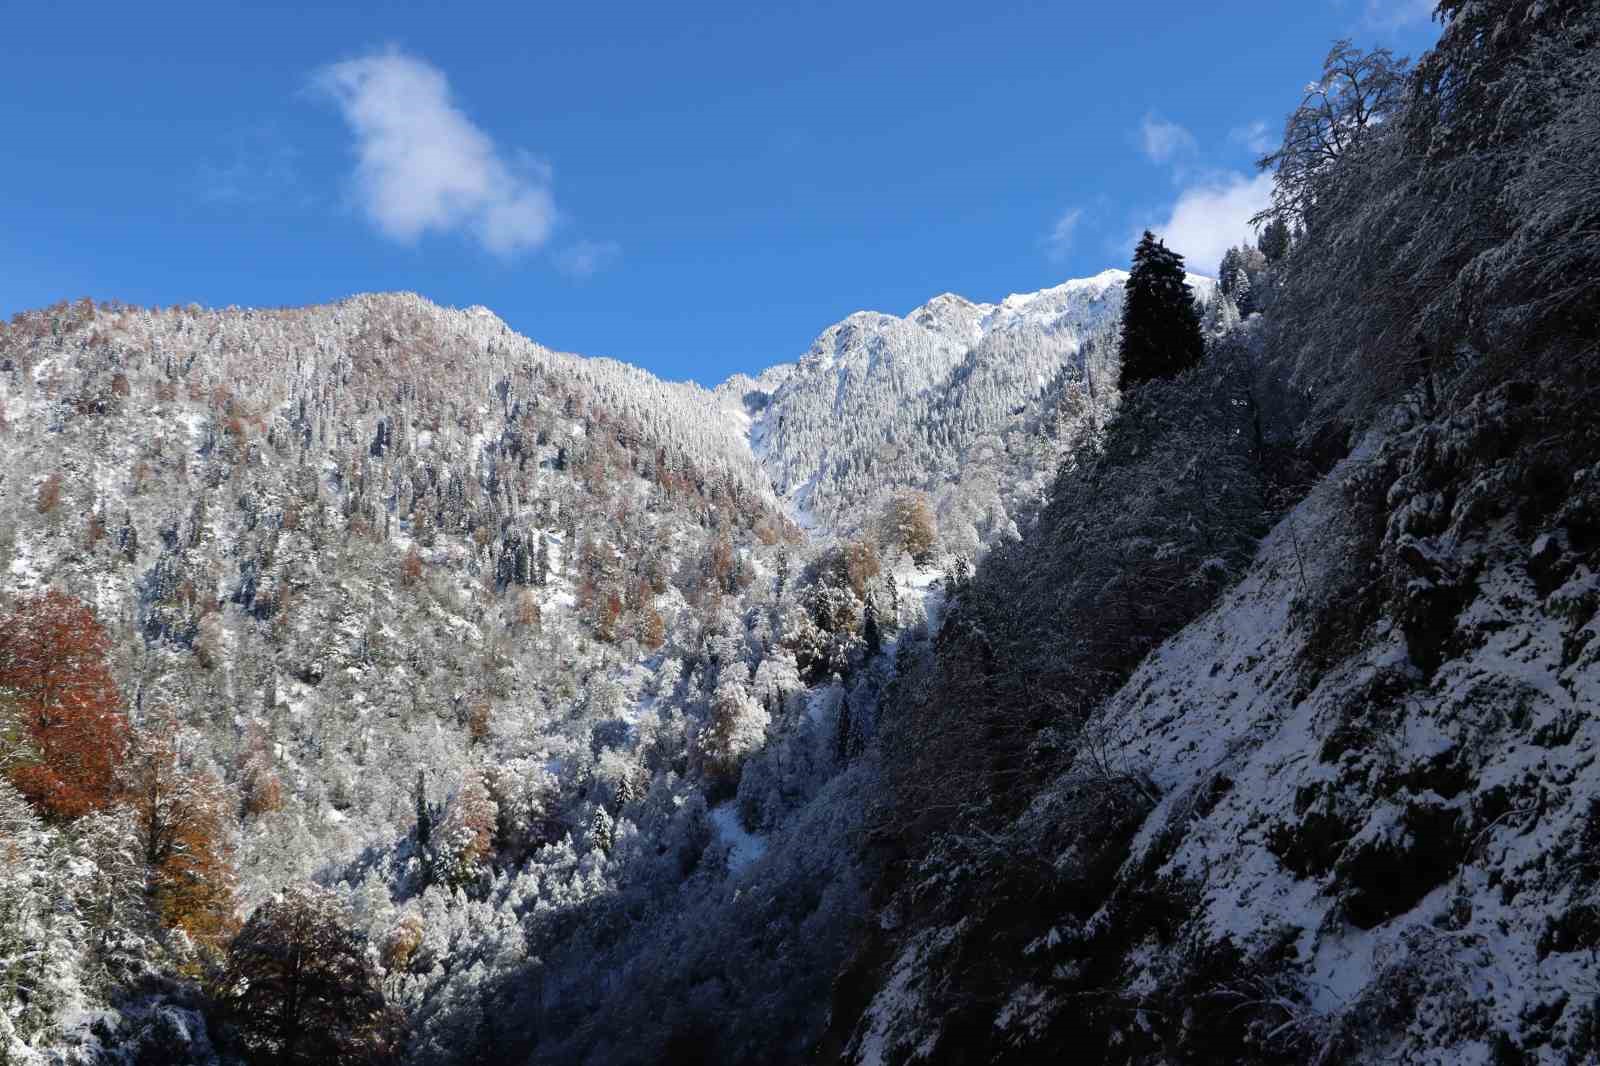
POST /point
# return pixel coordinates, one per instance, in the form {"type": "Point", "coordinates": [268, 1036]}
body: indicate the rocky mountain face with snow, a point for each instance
{"type": "Point", "coordinates": [973, 403]}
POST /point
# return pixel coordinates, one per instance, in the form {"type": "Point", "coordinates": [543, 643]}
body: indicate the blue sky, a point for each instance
{"type": "Point", "coordinates": [696, 188]}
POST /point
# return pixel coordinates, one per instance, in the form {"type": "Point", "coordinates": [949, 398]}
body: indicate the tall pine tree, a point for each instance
{"type": "Point", "coordinates": [871, 635]}
{"type": "Point", "coordinates": [1225, 272]}
{"type": "Point", "coordinates": [424, 813]}
{"type": "Point", "coordinates": [1274, 242]}
{"type": "Point", "coordinates": [1160, 325]}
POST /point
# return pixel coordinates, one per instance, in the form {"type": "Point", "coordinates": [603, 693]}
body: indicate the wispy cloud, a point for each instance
{"type": "Point", "coordinates": [1256, 136]}
{"type": "Point", "coordinates": [1211, 216]}
{"type": "Point", "coordinates": [1165, 142]}
{"type": "Point", "coordinates": [1213, 207]}
{"type": "Point", "coordinates": [1059, 240]}
{"type": "Point", "coordinates": [422, 165]}
{"type": "Point", "coordinates": [586, 258]}
{"type": "Point", "coordinates": [1396, 14]}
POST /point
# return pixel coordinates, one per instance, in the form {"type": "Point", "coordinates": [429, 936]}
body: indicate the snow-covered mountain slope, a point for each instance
{"type": "Point", "coordinates": [299, 523]}
{"type": "Point", "coordinates": [1403, 817]}
{"type": "Point", "coordinates": [950, 399]}
{"type": "Point", "coordinates": [1349, 814]}
{"type": "Point", "coordinates": [382, 556]}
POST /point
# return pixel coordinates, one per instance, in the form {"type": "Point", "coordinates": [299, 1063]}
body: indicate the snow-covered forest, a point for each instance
{"type": "Point", "coordinates": [1143, 670]}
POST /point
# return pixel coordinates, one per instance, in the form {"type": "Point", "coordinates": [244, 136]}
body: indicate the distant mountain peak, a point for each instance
{"type": "Point", "coordinates": [879, 401]}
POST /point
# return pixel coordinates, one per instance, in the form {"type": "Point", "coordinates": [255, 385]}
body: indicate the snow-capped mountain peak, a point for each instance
{"type": "Point", "coordinates": [881, 401]}
{"type": "Point", "coordinates": [954, 316]}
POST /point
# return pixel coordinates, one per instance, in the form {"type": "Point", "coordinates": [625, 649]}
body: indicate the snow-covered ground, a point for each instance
{"type": "Point", "coordinates": [1225, 702]}
{"type": "Point", "coordinates": [744, 846]}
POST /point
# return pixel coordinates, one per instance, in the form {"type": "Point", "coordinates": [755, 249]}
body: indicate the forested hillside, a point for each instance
{"type": "Point", "coordinates": [1273, 740]}
{"type": "Point", "coordinates": [377, 625]}
{"type": "Point", "coordinates": [1145, 670]}
{"type": "Point", "coordinates": [331, 571]}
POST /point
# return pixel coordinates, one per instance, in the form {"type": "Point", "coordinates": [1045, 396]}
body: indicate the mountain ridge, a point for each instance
{"type": "Point", "coordinates": [881, 402]}
{"type": "Point", "coordinates": [949, 375]}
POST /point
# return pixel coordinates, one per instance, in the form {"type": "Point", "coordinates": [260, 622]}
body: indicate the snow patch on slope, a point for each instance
{"type": "Point", "coordinates": [744, 846]}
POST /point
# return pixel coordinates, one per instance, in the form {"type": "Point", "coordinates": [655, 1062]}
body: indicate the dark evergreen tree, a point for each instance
{"type": "Point", "coordinates": [603, 830]}
{"type": "Point", "coordinates": [841, 732]}
{"type": "Point", "coordinates": [524, 563]}
{"type": "Point", "coordinates": [424, 816]}
{"type": "Point", "coordinates": [782, 571]}
{"type": "Point", "coordinates": [1241, 294]}
{"type": "Point", "coordinates": [871, 635]}
{"type": "Point", "coordinates": [1225, 272]}
{"type": "Point", "coordinates": [1274, 243]}
{"type": "Point", "coordinates": [128, 538]}
{"type": "Point", "coordinates": [1160, 324]}
{"type": "Point", "coordinates": [541, 562]}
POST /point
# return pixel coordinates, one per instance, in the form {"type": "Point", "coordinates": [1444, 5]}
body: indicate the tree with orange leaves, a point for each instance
{"type": "Point", "coordinates": [464, 839]}
{"type": "Point", "coordinates": [181, 815]}
{"type": "Point", "coordinates": [53, 662]}
{"type": "Point", "coordinates": [260, 790]}
{"type": "Point", "coordinates": [652, 629]}
{"type": "Point", "coordinates": [607, 614]}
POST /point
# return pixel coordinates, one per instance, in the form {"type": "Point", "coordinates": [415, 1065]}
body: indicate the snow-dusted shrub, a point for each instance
{"type": "Point", "coordinates": [737, 726]}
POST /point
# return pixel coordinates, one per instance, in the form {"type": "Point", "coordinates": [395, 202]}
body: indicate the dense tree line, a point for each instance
{"type": "Point", "coordinates": [1412, 286]}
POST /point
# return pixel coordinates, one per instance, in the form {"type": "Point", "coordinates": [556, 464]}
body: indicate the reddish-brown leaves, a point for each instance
{"type": "Point", "coordinates": [182, 815]}
{"type": "Point", "coordinates": [53, 658]}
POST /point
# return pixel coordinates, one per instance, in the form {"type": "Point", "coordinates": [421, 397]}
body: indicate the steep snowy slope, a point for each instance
{"type": "Point", "coordinates": [1350, 813]}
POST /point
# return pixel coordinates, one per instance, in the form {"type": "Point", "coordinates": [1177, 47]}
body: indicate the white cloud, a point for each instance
{"type": "Point", "coordinates": [1164, 141]}
{"type": "Point", "coordinates": [423, 165]}
{"type": "Point", "coordinates": [1210, 217]}
{"type": "Point", "coordinates": [1059, 239]}
{"type": "Point", "coordinates": [1256, 136]}
{"type": "Point", "coordinates": [586, 258]}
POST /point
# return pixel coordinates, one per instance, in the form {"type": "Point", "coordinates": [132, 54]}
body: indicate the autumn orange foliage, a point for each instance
{"type": "Point", "coordinates": [411, 568]}
{"type": "Point", "coordinates": [606, 616]}
{"type": "Point", "coordinates": [652, 629]}
{"type": "Point", "coordinates": [401, 943]}
{"type": "Point", "coordinates": [53, 660]}
{"type": "Point", "coordinates": [49, 494]}
{"type": "Point", "coordinates": [181, 814]}
{"type": "Point", "coordinates": [260, 790]}
{"type": "Point", "coordinates": [527, 614]}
